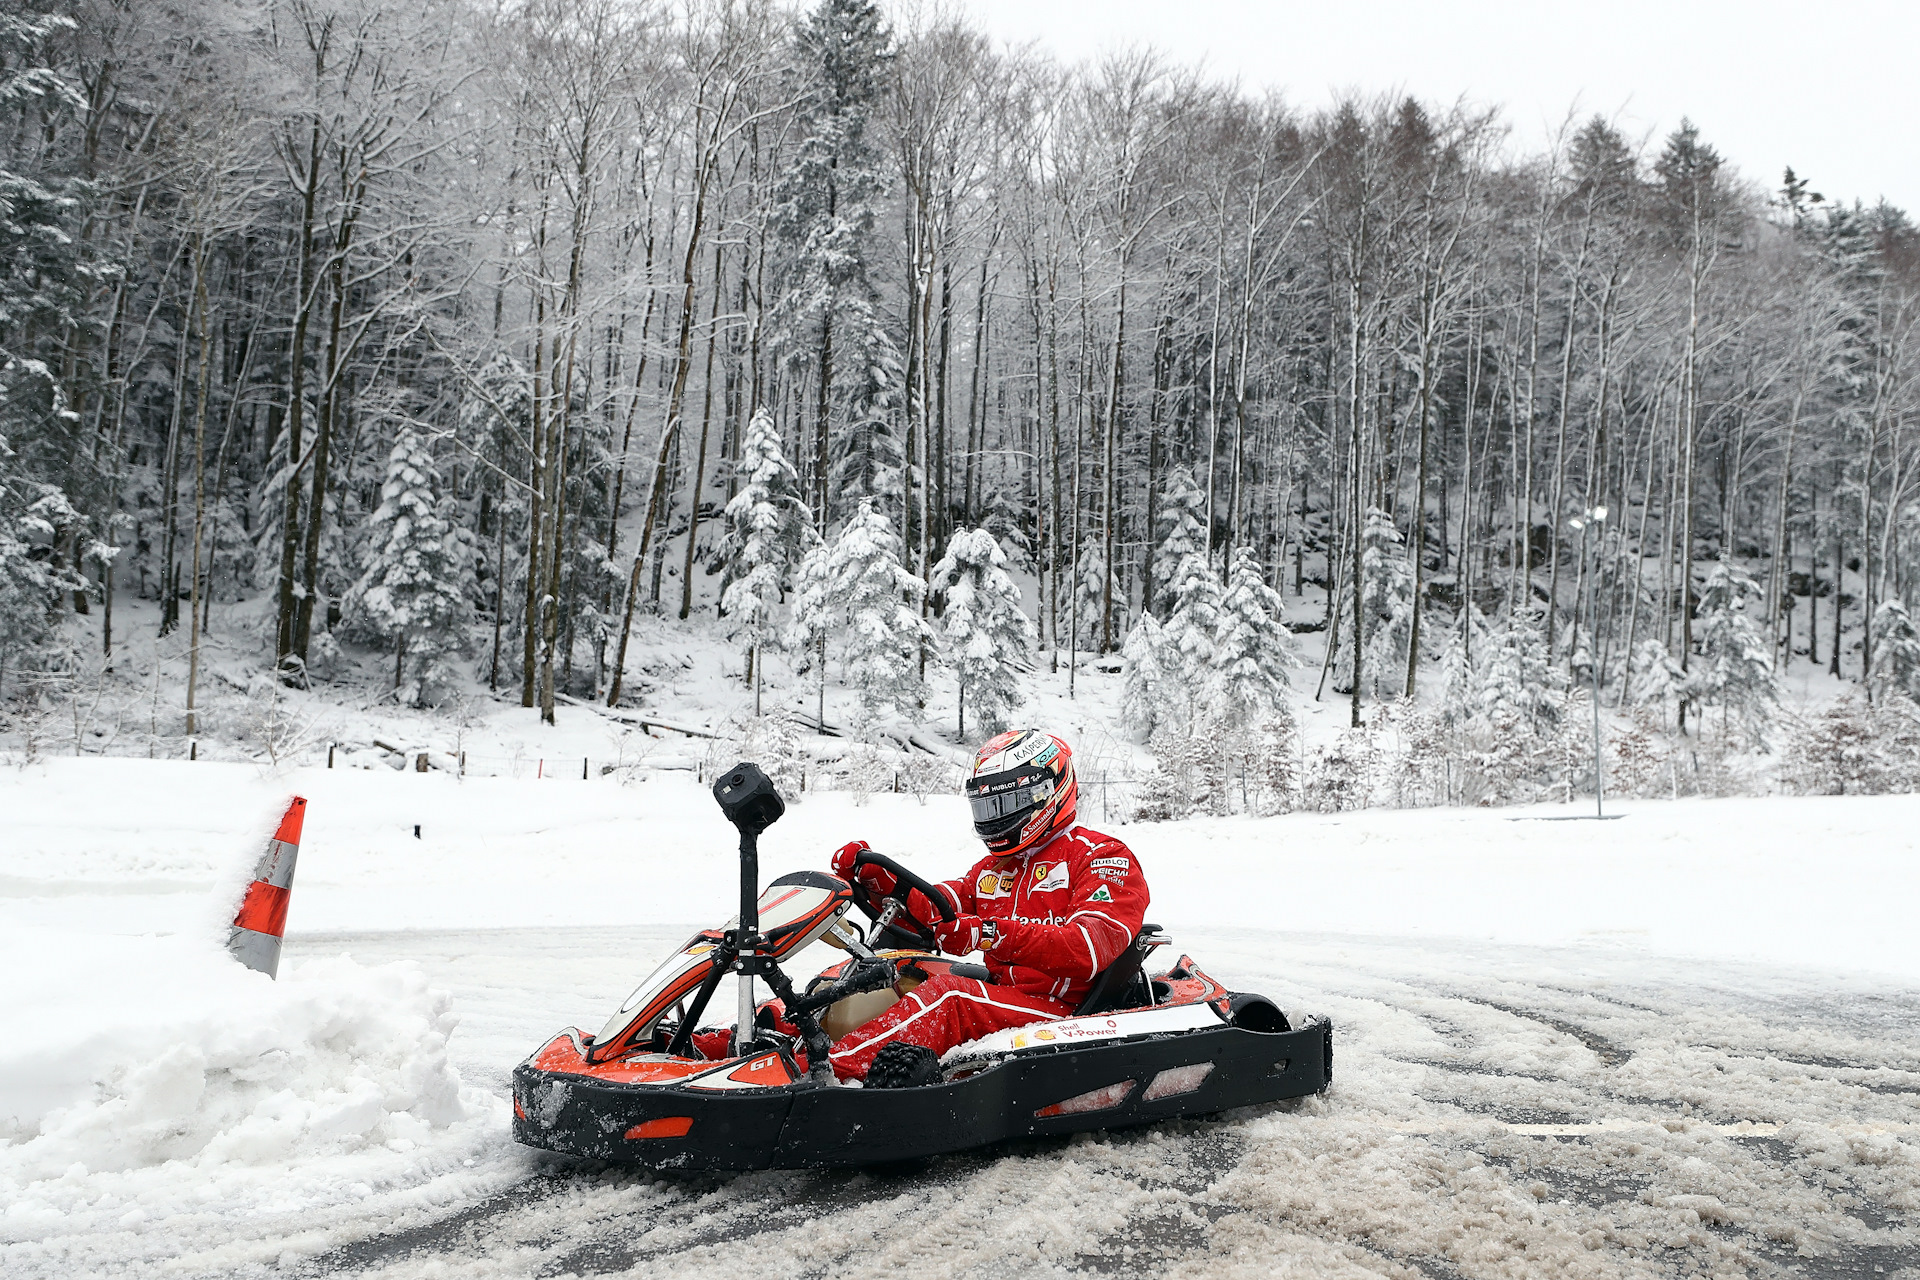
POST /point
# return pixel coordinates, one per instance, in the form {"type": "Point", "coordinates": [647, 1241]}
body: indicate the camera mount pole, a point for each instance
{"type": "Point", "coordinates": [748, 799]}
{"type": "Point", "coordinates": [749, 934]}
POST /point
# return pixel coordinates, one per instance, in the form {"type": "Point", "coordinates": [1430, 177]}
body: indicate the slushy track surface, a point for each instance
{"type": "Point", "coordinates": [1497, 1111]}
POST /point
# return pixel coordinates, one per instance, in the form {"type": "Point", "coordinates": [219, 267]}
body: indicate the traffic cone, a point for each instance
{"type": "Point", "coordinates": [255, 936]}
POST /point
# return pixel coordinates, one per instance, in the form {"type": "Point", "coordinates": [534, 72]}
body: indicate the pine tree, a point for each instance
{"type": "Point", "coordinates": [1522, 684]}
{"type": "Point", "coordinates": [1191, 638]}
{"type": "Point", "coordinates": [1254, 650]}
{"type": "Point", "coordinates": [1185, 541]}
{"type": "Point", "coordinates": [988, 636]}
{"type": "Point", "coordinates": [1896, 651]}
{"type": "Point", "coordinates": [1092, 581]}
{"type": "Point", "coordinates": [813, 620]}
{"type": "Point", "coordinates": [1386, 606]}
{"type": "Point", "coordinates": [858, 585]}
{"type": "Point", "coordinates": [44, 276]}
{"type": "Point", "coordinates": [826, 318]}
{"type": "Point", "coordinates": [415, 592]}
{"type": "Point", "coordinates": [769, 529]}
{"type": "Point", "coordinates": [1735, 671]}
{"type": "Point", "coordinates": [1145, 687]}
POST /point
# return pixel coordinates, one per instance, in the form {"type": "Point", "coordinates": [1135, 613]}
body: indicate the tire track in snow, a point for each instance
{"type": "Point", "coordinates": [1406, 1168]}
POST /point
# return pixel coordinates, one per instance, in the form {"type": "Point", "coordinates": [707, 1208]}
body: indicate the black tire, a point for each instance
{"type": "Point", "coordinates": [903, 1066]}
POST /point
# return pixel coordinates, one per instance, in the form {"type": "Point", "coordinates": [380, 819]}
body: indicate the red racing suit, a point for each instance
{"type": "Point", "coordinates": [1064, 912]}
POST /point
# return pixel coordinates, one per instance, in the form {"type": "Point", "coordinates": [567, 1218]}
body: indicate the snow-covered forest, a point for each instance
{"type": "Point", "coordinates": [447, 346]}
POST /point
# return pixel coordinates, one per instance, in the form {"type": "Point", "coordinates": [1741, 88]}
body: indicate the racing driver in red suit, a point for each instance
{"type": "Point", "coordinates": [1049, 907]}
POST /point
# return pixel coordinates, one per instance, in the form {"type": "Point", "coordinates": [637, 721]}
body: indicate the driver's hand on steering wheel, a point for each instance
{"type": "Point", "coordinates": [877, 881]}
{"type": "Point", "coordinates": [959, 936]}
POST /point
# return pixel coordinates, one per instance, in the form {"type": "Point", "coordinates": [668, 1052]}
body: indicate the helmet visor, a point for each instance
{"type": "Point", "coordinates": [996, 799]}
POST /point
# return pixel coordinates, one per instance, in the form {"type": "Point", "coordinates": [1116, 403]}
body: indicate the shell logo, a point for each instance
{"type": "Point", "coordinates": [1043, 1035]}
{"type": "Point", "coordinates": [989, 884]}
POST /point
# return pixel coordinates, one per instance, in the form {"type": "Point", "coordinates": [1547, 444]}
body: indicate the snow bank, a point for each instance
{"type": "Point", "coordinates": [152, 1078]}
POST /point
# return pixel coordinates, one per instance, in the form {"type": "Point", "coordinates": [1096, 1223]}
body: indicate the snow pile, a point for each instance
{"type": "Point", "coordinates": [158, 1079]}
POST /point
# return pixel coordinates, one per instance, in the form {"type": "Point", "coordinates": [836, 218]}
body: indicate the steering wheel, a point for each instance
{"type": "Point", "coordinates": [902, 919]}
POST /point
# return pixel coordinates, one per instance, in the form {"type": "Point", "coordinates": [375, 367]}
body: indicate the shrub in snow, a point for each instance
{"type": "Point", "coordinates": [986, 634]}
{"type": "Point", "coordinates": [416, 590]}
{"type": "Point", "coordinates": [1339, 775]}
{"type": "Point", "coordinates": [1189, 773]}
{"type": "Point", "coordinates": [770, 741]}
{"type": "Point", "coordinates": [1896, 651]}
{"type": "Point", "coordinates": [769, 530]}
{"type": "Point", "coordinates": [1639, 759]}
{"type": "Point", "coordinates": [1850, 748]}
{"type": "Point", "coordinates": [1416, 749]}
{"type": "Point", "coordinates": [1734, 671]}
{"type": "Point", "coordinates": [1266, 758]}
{"type": "Point", "coordinates": [923, 774]}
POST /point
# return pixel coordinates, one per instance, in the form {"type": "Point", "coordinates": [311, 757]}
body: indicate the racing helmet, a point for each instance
{"type": "Point", "coordinates": [1022, 790]}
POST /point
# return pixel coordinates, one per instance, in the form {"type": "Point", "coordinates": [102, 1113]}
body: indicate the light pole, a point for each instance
{"type": "Point", "coordinates": [1589, 522]}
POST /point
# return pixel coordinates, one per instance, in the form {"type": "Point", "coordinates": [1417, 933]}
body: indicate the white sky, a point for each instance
{"type": "Point", "coordinates": [1830, 90]}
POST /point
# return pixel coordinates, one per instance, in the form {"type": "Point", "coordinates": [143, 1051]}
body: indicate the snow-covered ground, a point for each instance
{"type": "Point", "coordinates": [1686, 1041]}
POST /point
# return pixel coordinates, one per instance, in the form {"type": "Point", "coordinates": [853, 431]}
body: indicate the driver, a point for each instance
{"type": "Point", "coordinates": [1050, 906]}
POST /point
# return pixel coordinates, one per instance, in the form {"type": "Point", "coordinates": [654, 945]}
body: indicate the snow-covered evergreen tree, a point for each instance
{"type": "Point", "coordinates": [1521, 684]}
{"type": "Point", "coordinates": [1185, 542]}
{"type": "Point", "coordinates": [813, 620]}
{"type": "Point", "coordinates": [1006, 520]}
{"type": "Point", "coordinates": [988, 636]}
{"type": "Point", "coordinates": [1091, 582]}
{"type": "Point", "coordinates": [415, 592]}
{"type": "Point", "coordinates": [1191, 638]}
{"type": "Point", "coordinates": [1654, 679]}
{"type": "Point", "coordinates": [1254, 649]}
{"type": "Point", "coordinates": [1735, 667]}
{"type": "Point", "coordinates": [45, 275]}
{"type": "Point", "coordinates": [1145, 686]}
{"type": "Point", "coordinates": [825, 318]}
{"type": "Point", "coordinates": [858, 586]}
{"type": "Point", "coordinates": [1386, 606]}
{"type": "Point", "coordinates": [1896, 651]}
{"type": "Point", "coordinates": [769, 530]}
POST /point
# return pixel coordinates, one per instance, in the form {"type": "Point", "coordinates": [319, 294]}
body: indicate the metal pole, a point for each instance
{"type": "Point", "coordinates": [1592, 638]}
{"type": "Point", "coordinates": [749, 933]}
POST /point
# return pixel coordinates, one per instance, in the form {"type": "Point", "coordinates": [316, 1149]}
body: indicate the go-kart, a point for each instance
{"type": "Point", "coordinates": [1137, 1049]}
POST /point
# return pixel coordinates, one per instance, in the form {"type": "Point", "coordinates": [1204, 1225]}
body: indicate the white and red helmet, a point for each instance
{"type": "Point", "coordinates": [1022, 790]}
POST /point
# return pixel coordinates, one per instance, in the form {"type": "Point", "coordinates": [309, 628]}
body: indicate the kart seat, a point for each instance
{"type": "Point", "coordinates": [1116, 986]}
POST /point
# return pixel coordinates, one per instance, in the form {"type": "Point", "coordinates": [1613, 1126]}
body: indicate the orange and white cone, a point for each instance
{"type": "Point", "coordinates": [258, 926]}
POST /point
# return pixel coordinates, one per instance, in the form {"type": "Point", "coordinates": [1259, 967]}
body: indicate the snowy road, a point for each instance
{"type": "Point", "coordinates": [1684, 1043]}
{"type": "Point", "coordinates": [1497, 1111]}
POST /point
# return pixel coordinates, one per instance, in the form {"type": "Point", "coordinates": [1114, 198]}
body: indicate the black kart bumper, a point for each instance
{"type": "Point", "coordinates": [809, 1126]}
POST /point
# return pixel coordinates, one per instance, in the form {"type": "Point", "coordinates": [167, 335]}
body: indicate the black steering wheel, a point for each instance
{"type": "Point", "coordinates": [917, 932]}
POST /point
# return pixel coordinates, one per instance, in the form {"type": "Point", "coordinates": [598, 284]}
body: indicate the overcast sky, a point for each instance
{"type": "Point", "coordinates": [1830, 90]}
